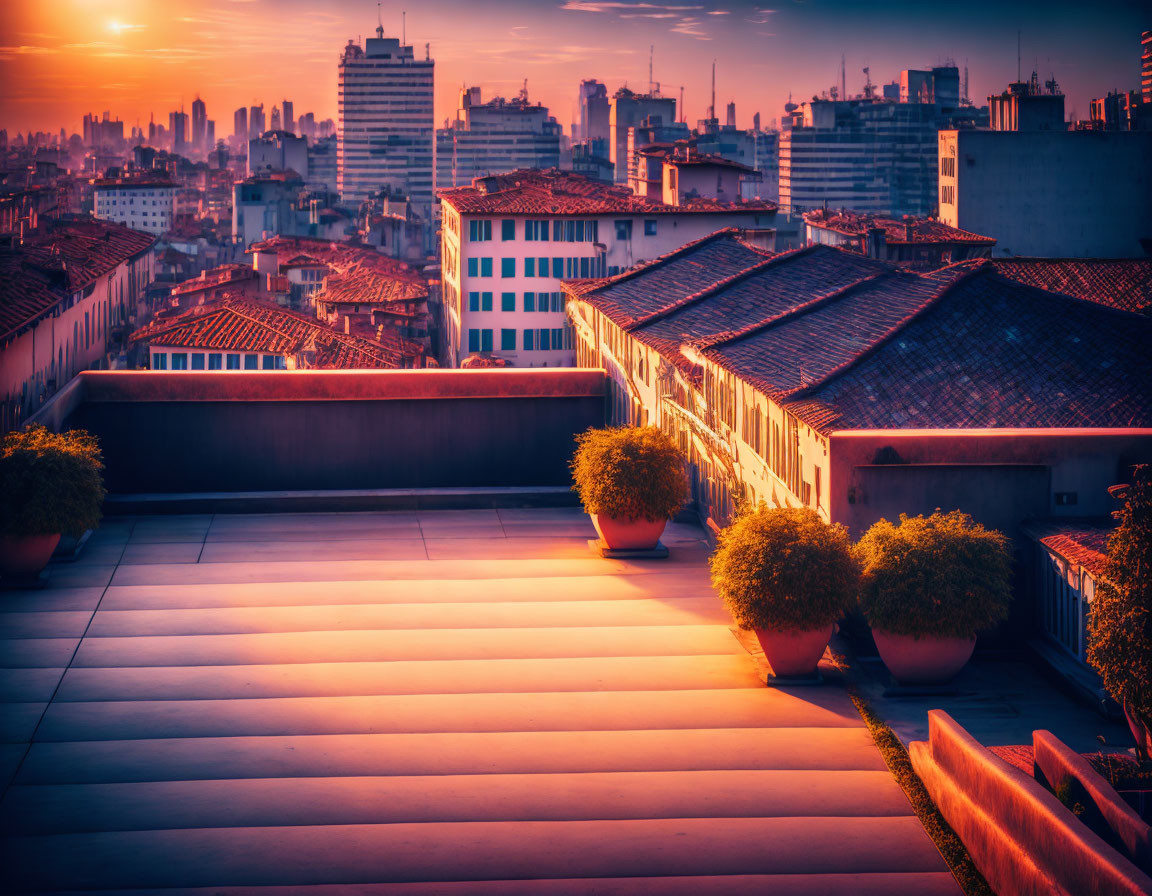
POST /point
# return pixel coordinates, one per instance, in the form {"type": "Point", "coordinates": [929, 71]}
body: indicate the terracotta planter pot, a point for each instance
{"type": "Point", "coordinates": [1139, 729]}
{"type": "Point", "coordinates": [793, 654]}
{"type": "Point", "coordinates": [923, 660]}
{"type": "Point", "coordinates": [628, 535]}
{"type": "Point", "coordinates": [23, 556]}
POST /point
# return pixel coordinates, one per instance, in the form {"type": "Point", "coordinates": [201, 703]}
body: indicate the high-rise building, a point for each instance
{"type": "Point", "coordinates": [289, 122]}
{"type": "Point", "coordinates": [256, 125]}
{"type": "Point", "coordinates": [199, 124]}
{"type": "Point", "coordinates": [1146, 65]}
{"type": "Point", "coordinates": [593, 105]}
{"type": "Point", "coordinates": [1026, 106]}
{"type": "Point", "coordinates": [495, 137]}
{"type": "Point", "coordinates": [386, 131]}
{"type": "Point", "coordinates": [240, 125]}
{"type": "Point", "coordinates": [628, 110]}
{"type": "Point", "coordinates": [275, 124]}
{"type": "Point", "coordinates": [178, 128]}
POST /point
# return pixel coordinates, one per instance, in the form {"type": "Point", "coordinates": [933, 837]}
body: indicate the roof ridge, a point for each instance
{"type": "Point", "coordinates": [713, 288]}
{"type": "Point", "coordinates": [934, 299]}
{"type": "Point", "coordinates": [795, 311]}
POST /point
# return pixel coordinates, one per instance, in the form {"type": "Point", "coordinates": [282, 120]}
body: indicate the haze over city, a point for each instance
{"type": "Point", "coordinates": [136, 58]}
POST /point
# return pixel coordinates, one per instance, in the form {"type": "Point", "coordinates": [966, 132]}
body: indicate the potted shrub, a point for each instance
{"type": "Point", "coordinates": [787, 576]}
{"type": "Point", "coordinates": [632, 480]}
{"type": "Point", "coordinates": [928, 586]}
{"type": "Point", "coordinates": [1120, 621]}
{"type": "Point", "coordinates": [50, 484]}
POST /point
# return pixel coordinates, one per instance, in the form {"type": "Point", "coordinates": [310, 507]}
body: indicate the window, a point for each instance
{"type": "Point", "coordinates": [473, 340]}
{"type": "Point", "coordinates": [649, 227]}
{"type": "Point", "coordinates": [485, 267]}
{"type": "Point", "coordinates": [545, 340]}
{"type": "Point", "coordinates": [233, 362]}
{"type": "Point", "coordinates": [485, 340]}
{"type": "Point", "coordinates": [479, 231]}
{"type": "Point", "coordinates": [536, 231]}
{"type": "Point", "coordinates": [947, 194]}
{"type": "Point", "coordinates": [473, 267]}
{"type": "Point", "coordinates": [558, 268]}
{"type": "Point", "coordinates": [179, 360]}
{"type": "Point", "coordinates": [529, 342]}
{"type": "Point", "coordinates": [623, 230]}
{"type": "Point", "coordinates": [159, 361]}
{"type": "Point", "coordinates": [214, 360]}
{"type": "Point", "coordinates": [507, 301]}
{"type": "Point", "coordinates": [529, 301]}
{"type": "Point", "coordinates": [948, 167]}
{"type": "Point", "coordinates": [269, 362]}
{"type": "Point", "coordinates": [473, 301]}
{"type": "Point", "coordinates": [508, 340]}
{"type": "Point", "coordinates": [529, 267]}
{"type": "Point", "coordinates": [507, 230]}
{"type": "Point", "coordinates": [251, 362]}
{"type": "Point", "coordinates": [542, 267]}
{"type": "Point", "coordinates": [507, 267]}
{"type": "Point", "coordinates": [557, 338]}
{"type": "Point", "coordinates": [485, 301]}
{"type": "Point", "coordinates": [198, 361]}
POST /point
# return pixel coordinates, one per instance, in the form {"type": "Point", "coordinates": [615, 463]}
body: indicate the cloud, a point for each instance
{"type": "Point", "coordinates": [648, 15]}
{"type": "Point", "coordinates": [719, 12]}
{"type": "Point", "coordinates": [28, 51]}
{"type": "Point", "coordinates": [690, 27]}
{"type": "Point", "coordinates": [760, 16]}
{"type": "Point", "coordinates": [620, 7]}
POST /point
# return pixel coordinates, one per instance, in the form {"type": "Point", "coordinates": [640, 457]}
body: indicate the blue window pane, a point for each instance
{"type": "Point", "coordinates": [473, 301]}
{"type": "Point", "coordinates": [507, 301]}
{"type": "Point", "coordinates": [251, 362]}
{"type": "Point", "coordinates": [473, 265]}
{"type": "Point", "coordinates": [529, 301]}
{"type": "Point", "coordinates": [528, 340]}
{"type": "Point", "coordinates": [507, 267]}
{"type": "Point", "coordinates": [508, 340]}
{"type": "Point", "coordinates": [473, 340]}
{"type": "Point", "coordinates": [485, 301]}
{"type": "Point", "coordinates": [485, 267]}
{"type": "Point", "coordinates": [507, 230]}
{"type": "Point", "coordinates": [529, 267]}
{"type": "Point", "coordinates": [197, 362]}
{"type": "Point", "coordinates": [485, 340]}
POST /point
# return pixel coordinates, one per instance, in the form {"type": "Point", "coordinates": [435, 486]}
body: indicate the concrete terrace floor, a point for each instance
{"type": "Point", "coordinates": [433, 702]}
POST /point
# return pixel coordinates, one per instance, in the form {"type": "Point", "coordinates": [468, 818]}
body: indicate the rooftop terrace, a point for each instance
{"type": "Point", "coordinates": [443, 701]}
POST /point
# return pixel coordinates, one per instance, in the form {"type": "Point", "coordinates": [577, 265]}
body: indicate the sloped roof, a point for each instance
{"type": "Point", "coordinates": [555, 192]}
{"type": "Point", "coordinates": [1124, 283]}
{"type": "Point", "coordinates": [241, 325]}
{"type": "Point", "coordinates": [924, 231]}
{"type": "Point", "coordinates": [1083, 542]}
{"type": "Point", "coordinates": [214, 278]}
{"type": "Point", "coordinates": [58, 259]}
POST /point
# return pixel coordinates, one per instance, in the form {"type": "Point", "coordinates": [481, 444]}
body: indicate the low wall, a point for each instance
{"type": "Point", "coordinates": [1022, 839]}
{"type": "Point", "coordinates": [322, 430]}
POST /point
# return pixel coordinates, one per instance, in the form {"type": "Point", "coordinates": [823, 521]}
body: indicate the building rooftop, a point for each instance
{"type": "Point", "coordinates": [554, 192]}
{"type": "Point", "coordinates": [1124, 283]}
{"type": "Point", "coordinates": [847, 342]}
{"type": "Point", "coordinates": [59, 258]}
{"type": "Point", "coordinates": [1082, 542]}
{"type": "Point", "coordinates": [242, 325]}
{"type": "Point", "coordinates": [134, 183]}
{"type": "Point", "coordinates": [899, 231]}
{"type": "Point", "coordinates": [216, 277]}
{"type": "Point", "coordinates": [447, 702]}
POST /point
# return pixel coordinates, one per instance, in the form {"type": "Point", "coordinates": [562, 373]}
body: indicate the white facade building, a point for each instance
{"type": "Point", "coordinates": [386, 125]}
{"type": "Point", "coordinates": [509, 241]}
{"type": "Point", "coordinates": [141, 205]}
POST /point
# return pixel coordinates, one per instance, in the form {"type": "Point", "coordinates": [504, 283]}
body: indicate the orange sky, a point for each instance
{"type": "Point", "coordinates": [60, 58]}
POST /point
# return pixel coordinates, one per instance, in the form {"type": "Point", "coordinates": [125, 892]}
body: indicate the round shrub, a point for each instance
{"type": "Point", "coordinates": [630, 472]}
{"type": "Point", "coordinates": [1120, 623]}
{"type": "Point", "coordinates": [942, 576]}
{"type": "Point", "coordinates": [49, 483]}
{"type": "Point", "coordinates": [784, 569]}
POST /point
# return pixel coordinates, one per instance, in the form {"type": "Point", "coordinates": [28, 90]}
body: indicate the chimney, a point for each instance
{"type": "Point", "coordinates": [907, 228]}
{"type": "Point", "coordinates": [876, 243]}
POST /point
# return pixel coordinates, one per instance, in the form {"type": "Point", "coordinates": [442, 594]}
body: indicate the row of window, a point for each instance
{"type": "Point", "coordinates": [217, 361]}
{"type": "Point", "coordinates": [533, 301]}
{"type": "Point", "coordinates": [558, 268]}
{"type": "Point", "coordinates": [554, 339]}
{"type": "Point", "coordinates": [567, 231]}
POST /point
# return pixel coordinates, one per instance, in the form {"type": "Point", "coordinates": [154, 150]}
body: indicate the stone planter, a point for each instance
{"type": "Point", "coordinates": [793, 654]}
{"type": "Point", "coordinates": [923, 660]}
{"type": "Point", "coordinates": [628, 535]}
{"type": "Point", "coordinates": [24, 556]}
{"type": "Point", "coordinates": [1140, 731]}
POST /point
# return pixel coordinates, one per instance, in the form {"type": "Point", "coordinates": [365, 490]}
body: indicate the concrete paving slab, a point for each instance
{"type": "Point", "coordinates": [11, 755]}
{"type": "Point", "coordinates": [37, 653]}
{"type": "Point", "coordinates": [351, 755]}
{"type": "Point", "coordinates": [378, 532]}
{"type": "Point", "coordinates": [315, 551]}
{"type": "Point", "coordinates": [50, 598]}
{"type": "Point", "coordinates": [272, 802]}
{"type": "Point", "coordinates": [28, 685]}
{"type": "Point", "coordinates": [44, 624]}
{"type": "Point", "coordinates": [101, 553]}
{"type": "Point", "coordinates": [162, 552]}
{"type": "Point", "coordinates": [18, 721]}
{"type": "Point", "coordinates": [69, 575]}
{"type": "Point", "coordinates": [398, 677]}
{"type": "Point", "coordinates": [519, 548]}
{"type": "Point", "coordinates": [363, 617]}
{"type": "Point", "coordinates": [570, 711]}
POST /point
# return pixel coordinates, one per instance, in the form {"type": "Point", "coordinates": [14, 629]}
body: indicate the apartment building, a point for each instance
{"type": "Point", "coordinates": [148, 205]}
{"type": "Point", "coordinates": [509, 241]}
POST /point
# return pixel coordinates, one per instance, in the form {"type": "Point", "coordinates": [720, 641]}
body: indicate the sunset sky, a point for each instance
{"type": "Point", "coordinates": [61, 58]}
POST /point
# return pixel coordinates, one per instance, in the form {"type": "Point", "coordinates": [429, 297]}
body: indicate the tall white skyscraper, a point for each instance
{"type": "Point", "coordinates": [386, 131]}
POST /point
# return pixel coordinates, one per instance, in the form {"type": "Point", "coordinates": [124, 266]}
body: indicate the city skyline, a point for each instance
{"type": "Point", "coordinates": [134, 59]}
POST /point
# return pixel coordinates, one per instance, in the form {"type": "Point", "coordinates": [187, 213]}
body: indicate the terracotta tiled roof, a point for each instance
{"type": "Point", "coordinates": [1083, 542]}
{"type": "Point", "coordinates": [924, 230]}
{"type": "Point", "coordinates": [1124, 283]}
{"type": "Point", "coordinates": [555, 192]}
{"type": "Point", "coordinates": [215, 278]}
{"type": "Point", "coordinates": [848, 342]}
{"type": "Point", "coordinates": [240, 325]}
{"type": "Point", "coordinates": [58, 259]}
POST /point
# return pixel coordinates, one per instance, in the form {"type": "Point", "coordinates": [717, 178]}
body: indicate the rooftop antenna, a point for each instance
{"type": "Point", "coordinates": [404, 27]}
{"type": "Point", "coordinates": [712, 108]}
{"type": "Point", "coordinates": [651, 52]}
{"type": "Point", "coordinates": [681, 103]}
{"type": "Point", "coordinates": [843, 81]}
{"type": "Point", "coordinates": [1018, 75]}
{"type": "Point", "coordinates": [867, 83]}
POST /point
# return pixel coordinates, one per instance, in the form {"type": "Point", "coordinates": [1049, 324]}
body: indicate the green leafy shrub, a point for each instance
{"type": "Point", "coordinates": [942, 576]}
{"type": "Point", "coordinates": [630, 472]}
{"type": "Point", "coordinates": [49, 483]}
{"type": "Point", "coordinates": [1120, 623]}
{"type": "Point", "coordinates": [784, 569]}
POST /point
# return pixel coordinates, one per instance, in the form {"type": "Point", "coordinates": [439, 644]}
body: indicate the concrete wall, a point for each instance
{"type": "Point", "coordinates": [315, 430]}
{"type": "Point", "coordinates": [1083, 194]}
